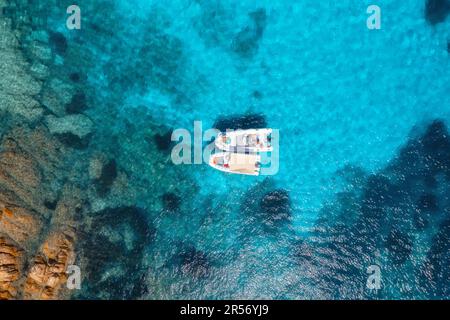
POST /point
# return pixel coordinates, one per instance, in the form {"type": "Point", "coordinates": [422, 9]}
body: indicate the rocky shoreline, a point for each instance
{"type": "Point", "coordinates": [66, 167]}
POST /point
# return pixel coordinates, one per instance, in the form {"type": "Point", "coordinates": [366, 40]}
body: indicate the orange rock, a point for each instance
{"type": "Point", "coordinates": [48, 273]}
{"type": "Point", "coordinates": [10, 268]}
{"type": "Point", "coordinates": [19, 224]}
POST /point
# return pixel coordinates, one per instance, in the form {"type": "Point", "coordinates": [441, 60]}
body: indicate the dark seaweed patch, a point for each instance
{"type": "Point", "coordinates": [246, 41]}
{"type": "Point", "coordinates": [192, 261]}
{"type": "Point", "coordinates": [171, 201]}
{"type": "Point", "coordinates": [257, 94]}
{"type": "Point", "coordinates": [377, 215]}
{"type": "Point", "coordinates": [163, 141]}
{"type": "Point", "coordinates": [74, 141]}
{"type": "Point", "coordinates": [59, 42]}
{"type": "Point", "coordinates": [75, 77]}
{"type": "Point", "coordinates": [247, 121]}
{"type": "Point", "coordinates": [436, 144]}
{"type": "Point", "coordinates": [78, 103]}
{"type": "Point", "coordinates": [399, 246]}
{"type": "Point", "coordinates": [107, 177]}
{"type": "Point", "coordinates": [50, 204]}
{"type": "Point", "coordinates": [436, 11]}
{"type": "Point", "coordinates": [276, 206]}
{"type": "Point", "coordinates": [435, 273]}
{"type": "Point", "coordinates": [267, 209]}
{"type": "Point", "coordinates": [428, 202]}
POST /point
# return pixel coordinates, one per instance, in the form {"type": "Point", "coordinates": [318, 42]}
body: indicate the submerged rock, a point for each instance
{"type": "Point", "coordinates": [114, 245]}
{"type": "Point", "coordinates": [436, 11]}
{"type": "Point", "coordinates": [72, 130]}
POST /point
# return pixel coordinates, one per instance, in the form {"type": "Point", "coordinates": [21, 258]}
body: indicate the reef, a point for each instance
{"type": "Point", "coordinates": [114, 260]}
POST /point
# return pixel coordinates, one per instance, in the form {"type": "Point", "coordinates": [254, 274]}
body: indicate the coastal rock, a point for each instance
{"type": "Point", "coordinates": [10, 268]}
{"type": "Point", "coordinates": [29, 171]}
{"type": "Point", "coordinates": [39, 71]}
{"type": "Point", "coordinates": [19, 223]}
{"type": "Point", "coordinates": [77, 124]}
{"type": "Point", "coordinates": [48, 272]}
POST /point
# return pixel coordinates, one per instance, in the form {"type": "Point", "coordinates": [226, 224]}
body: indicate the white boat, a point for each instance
{"type": "Point", "coordinates": [240, 163]}
{"type": "Point", "coordinates": [253, 140]}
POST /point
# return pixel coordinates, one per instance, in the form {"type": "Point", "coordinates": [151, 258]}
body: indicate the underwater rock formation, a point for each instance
{"type": "Point", "coordinates": [246, 121]}
{"type": "Point", "coordinates": [436, 11]}
{"type": "Point", "coordinates": [388, 214]}
{"type": "Point", "coordinates": [114, 245]}
{"type": "Point", "coordinates": [72, 130]}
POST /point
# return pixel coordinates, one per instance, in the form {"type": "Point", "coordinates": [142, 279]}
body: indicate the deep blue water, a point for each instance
{"type": "Point", "coordinates": [364, 147]}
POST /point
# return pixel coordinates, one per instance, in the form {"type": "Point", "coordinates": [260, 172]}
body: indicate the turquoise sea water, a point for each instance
{"type": "Point", "coordinates": [360, 112]}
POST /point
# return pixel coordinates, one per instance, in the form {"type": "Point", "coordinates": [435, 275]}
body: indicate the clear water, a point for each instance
{"type": "Point", "coordinates": [346, 101]}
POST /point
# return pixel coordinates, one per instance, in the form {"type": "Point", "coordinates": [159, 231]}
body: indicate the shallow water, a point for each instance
{"type": "Point", "coordinates": [347, 101]}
